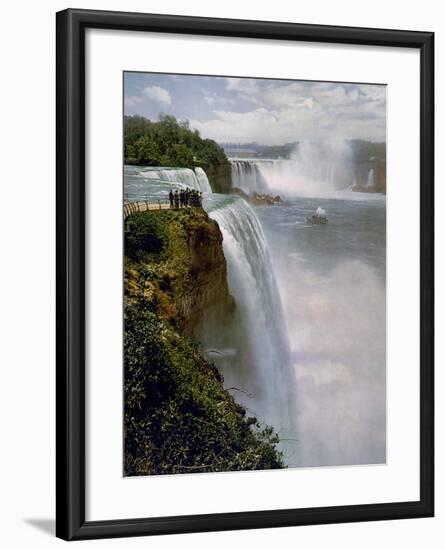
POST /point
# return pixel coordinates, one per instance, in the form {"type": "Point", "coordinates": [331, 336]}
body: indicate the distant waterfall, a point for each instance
{"type": "Point", "coordinates": [370, 180]}
{"type": "Point", "coordinates": [247, 176]}
{"type": "Point", "coordinates": [253, 285]}
{"type": "Point", "coordinates": [313, 168]}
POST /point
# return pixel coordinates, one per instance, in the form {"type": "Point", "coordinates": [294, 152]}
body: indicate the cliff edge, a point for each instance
{"type": "Point", "coordinates": [178, 418]}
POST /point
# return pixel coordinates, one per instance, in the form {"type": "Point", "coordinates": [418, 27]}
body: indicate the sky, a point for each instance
{"type": "Point", "coordinates": [269, 112]}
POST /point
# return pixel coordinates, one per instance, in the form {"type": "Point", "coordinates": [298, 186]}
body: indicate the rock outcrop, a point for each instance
{"type": "Point", "coordinates": [206, 300]}
{"type": "Point", "coordinates": [257, 199]}
{"type": "Point", "coordinates": [187, 278]}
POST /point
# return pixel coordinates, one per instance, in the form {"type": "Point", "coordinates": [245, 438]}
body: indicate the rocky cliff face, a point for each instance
{"type": "Point", "coordinates": [362, 176]}
{"type": "Point", "coordinates": [206, 300]}
{"type": "Point", "coordinates": [186, 277]}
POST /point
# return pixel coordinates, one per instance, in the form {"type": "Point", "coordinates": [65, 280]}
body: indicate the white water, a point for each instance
{"type": "Point", "coordinates": [196, 180]}
{"type": "Point", "coordinates": [370, 180]}
{"type": "Point", "coordinates": [247, 175]}
{"type": "Point", "coordinates": [266, 372]}
{"type": "Point", "coordinates": [203, 181]}
{"type": "Point", "coordinates": [314, 168]}
{"type": "Point", "coordinates": [143, 182]}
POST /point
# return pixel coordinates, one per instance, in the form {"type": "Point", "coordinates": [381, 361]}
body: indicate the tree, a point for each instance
{"type": "Point", "coordinates": [170, 143]}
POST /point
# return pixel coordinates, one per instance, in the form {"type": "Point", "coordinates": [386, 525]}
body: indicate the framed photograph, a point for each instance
{"type": "Point", "coordinates": [245, 216]}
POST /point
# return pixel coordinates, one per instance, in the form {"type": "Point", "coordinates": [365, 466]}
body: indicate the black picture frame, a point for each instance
{"type": "Point", "coordinates": [70, 228]}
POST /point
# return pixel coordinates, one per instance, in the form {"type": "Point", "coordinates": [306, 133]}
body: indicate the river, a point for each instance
{"type": "Point", "coordinates": [309, 357]}
{"type": "Point", "coordinates": [332, 285]}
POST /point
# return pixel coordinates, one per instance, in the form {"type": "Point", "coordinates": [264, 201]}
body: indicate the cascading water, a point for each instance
{"type": "Point", "coordinates": [370, 180]}
{"type": "Point", "coordinates": [269, 378]}
{"type": "Point", "coordinates": [143, 182]}
{"type": "Point", "coordinates": [203, 180]}
{"type": "Point", "coordinates": [247, 176]}
{"type": "Point", "coordinates": [313, 168]}
{"type": "Point", "coordinates": [186, 176]}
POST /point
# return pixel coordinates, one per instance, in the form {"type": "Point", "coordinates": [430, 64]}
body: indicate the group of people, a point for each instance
{"type": "Point", "coordinates": [184, 198]}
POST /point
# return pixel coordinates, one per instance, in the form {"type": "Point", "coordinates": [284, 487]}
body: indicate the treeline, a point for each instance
{"type": "Point", "coordinates": [266, 151]}
{"type": "Point", "coordinates": [365, 151]}
{"type": "Point", "coordinates": [169, 142]}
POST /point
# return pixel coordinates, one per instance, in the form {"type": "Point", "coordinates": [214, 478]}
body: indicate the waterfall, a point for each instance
{"type": "Point", "coordinates": [203, 180]}
{"type": "Point", "coordinates": [154, 183]}
{"type": "Point", "coordinates": [314, 167]}
{"type": "Point", "coordinates": [269, 377]}
{"type": "Point", "coordinates": [370, 180]}
{"type": "Point", "coordinates": [247, 176]}
{"type": "Point", "coordinates": [195, 179]}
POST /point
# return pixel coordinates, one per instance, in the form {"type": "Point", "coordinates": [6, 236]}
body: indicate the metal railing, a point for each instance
{"type": "Point", "coordinates": [131, 207]}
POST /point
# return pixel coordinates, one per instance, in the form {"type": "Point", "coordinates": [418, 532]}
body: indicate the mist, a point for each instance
{"type": "Point", "coordinates": [337, 331]}
{"type": "Point", "coordinates": [333, 291]}
{"type": "Point", "coordinates": [315, 167]}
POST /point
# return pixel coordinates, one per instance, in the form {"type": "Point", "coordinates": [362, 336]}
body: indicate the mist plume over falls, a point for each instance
{"type": "Point", "coordinates": [313, 168]}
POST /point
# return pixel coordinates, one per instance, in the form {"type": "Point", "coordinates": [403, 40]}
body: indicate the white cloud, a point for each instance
{"type": "Point", "coordinates": [156, 93]}
{"type": "Point", "coordinates": [211, 98]}
{"type": "Point", "coordinates": [270, 111]}
{"type": "Point", "coordinates": [293, 111]}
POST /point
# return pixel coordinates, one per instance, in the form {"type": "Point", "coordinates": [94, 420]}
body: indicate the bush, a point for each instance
{"type": "Point", "coordinates": [145, 233]}
{"type": "Point", "coordinates": [178, 416]}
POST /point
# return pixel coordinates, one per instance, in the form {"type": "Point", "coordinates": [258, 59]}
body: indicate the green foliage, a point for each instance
{"type": "Point", "coordinates": [145, 234]}
{"type": "Point", "coordinates": [168, 142]}
{"type": "Point", "coordinates": [178, 417]}
{"type": "Point", "coordinates": [366, 150]}
{"type": "Point", "coordinates": [161, 238]}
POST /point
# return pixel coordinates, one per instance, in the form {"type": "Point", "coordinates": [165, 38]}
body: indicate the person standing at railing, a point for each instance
{"type": "Point", "coordinates": [171, 197]}
{"type": "Point", "coordinates": [176, 199]}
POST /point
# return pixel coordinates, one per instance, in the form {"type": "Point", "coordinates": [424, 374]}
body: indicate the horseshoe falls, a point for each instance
{"type": "Point", "coordinates": [313, 168]}
{"type": "Point", "coordinates": [248, 176]}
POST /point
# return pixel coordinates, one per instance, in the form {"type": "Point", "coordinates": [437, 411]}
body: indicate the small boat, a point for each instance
{"type": "Point", "coordinates": [318, 218]}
